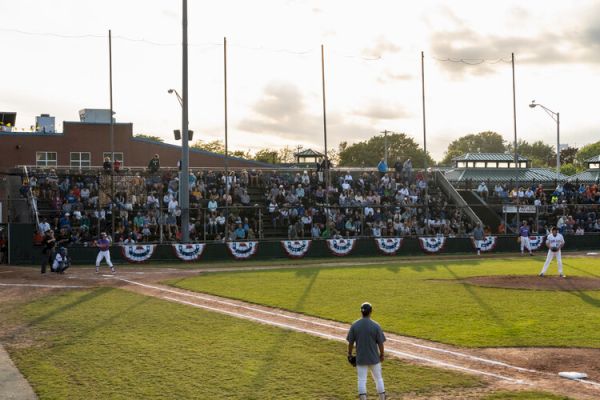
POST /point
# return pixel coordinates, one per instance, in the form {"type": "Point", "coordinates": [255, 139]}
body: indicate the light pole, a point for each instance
{"type": "Point", "coordinates": [556, 117]}
{"type": "Point", "coordinates": [184, 199]}
{"type": "Point", "coordinates": [385, 146]}
{"type": "Point", "coordinates": [173, 91]}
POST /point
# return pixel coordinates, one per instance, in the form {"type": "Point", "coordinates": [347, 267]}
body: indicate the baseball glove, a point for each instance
{"type": "Point", "coordinates": [352, 360]}
{"type": "Point", "coordinates": [554, 249]}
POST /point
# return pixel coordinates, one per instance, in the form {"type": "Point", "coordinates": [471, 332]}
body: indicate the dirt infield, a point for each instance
{"type": "Point", "coordinates": [506, 368]}
{"type": "Point", "coordinates": [575, 283]}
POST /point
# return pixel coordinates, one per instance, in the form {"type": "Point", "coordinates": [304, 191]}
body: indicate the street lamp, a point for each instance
{"type": "Point", "coordinates": [171, 91]}
{"type": "Point", "coordinates": [556, 117]}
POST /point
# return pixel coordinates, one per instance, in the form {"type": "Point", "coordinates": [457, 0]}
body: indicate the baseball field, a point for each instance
{"type": "Point", "coordinates": [457, 329]}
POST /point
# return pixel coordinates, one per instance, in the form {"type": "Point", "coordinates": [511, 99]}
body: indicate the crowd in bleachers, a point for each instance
{"type": "Point", "coordinates": [573, 207]}
{"type": "Point", "coordinates": [242, 204]}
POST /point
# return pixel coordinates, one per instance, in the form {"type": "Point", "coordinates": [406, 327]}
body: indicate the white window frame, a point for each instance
{"type": "Point", "coordinates": [461, 164]}
{"type": "Point", "coordinates": [79, 163]}
{"type": "Point", "coordinates": [594, 166]}
{"type": "Point", "coordinates": [117, 155]}
{"type": "Point", "coordinates": [46, 162]}
{"type": "Point", "coordinates": [479, 164]}
{"type": "Point", "coordinates": [503, 164]}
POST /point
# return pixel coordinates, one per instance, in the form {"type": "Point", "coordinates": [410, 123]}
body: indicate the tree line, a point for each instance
{"type": "Point", "coordinates": [400, 146]}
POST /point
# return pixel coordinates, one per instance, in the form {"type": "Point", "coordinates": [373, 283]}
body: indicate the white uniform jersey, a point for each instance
{"type": "Point", "coordinates": [555, 241]}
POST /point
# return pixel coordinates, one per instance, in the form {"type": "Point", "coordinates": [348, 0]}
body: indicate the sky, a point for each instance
{"type": "Point", "coordinates": [55, 61]}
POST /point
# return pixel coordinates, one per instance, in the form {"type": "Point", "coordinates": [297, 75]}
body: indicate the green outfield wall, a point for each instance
{"type": "Point", "coordinates": [23, 251]}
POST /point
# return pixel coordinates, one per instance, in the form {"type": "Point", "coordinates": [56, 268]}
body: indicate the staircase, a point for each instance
{"type": "Point", "coordinates": [486, 214]}
{"type": "Point", "coordinates": [456, 198]}
{"type": "Point", "coordinates": [257, 197]}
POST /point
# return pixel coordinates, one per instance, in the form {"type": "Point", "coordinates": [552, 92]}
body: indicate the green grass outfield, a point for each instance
{"type": "Point", "coordinates": [410, 299]}
{"type": "Point", "coordinates": [113, 344]}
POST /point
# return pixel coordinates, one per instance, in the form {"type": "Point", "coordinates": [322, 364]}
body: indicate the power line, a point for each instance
{"type": "Point", "coordinates": [471, 61]}
{"type": "Point", "coordinates": [302, 52]}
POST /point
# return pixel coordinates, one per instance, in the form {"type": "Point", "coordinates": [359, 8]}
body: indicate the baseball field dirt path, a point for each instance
{"type": "Point", "coordinates": [509, 369]}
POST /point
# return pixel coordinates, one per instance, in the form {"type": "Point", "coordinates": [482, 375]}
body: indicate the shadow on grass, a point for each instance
{"type": "Point", "coordinates": [54, 312]}
{"type": "Point", "coordinates": [485, 306]}
{"type": "Point", "coordinates": [580, 270]}
{"type": "Point", "coordinates": [106, 321]}
{"type": "Point", "coordinates": [260, 380]}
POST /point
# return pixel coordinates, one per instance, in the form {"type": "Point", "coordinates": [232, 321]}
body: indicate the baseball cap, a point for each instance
{"type": "Point", "coordinates": [366, 307]}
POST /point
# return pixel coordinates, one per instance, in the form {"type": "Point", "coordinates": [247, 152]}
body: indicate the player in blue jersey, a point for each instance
{"type": "Point", "coordinates": [524, 233]}
{"type": "Point", "coordinates": [103, 245]}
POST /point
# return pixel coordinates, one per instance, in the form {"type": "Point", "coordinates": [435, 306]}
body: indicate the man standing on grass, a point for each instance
{"type": "Point", "coordinates": [554, 242]}
{"type": "Point", "coordinates": [103, 252]}
{"type": "Point", "coordinates": [369, 338]}
{"type": "Point", "coordinates": [524, 233]}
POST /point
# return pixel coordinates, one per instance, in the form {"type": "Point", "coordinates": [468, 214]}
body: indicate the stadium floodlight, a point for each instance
{"type": "Point", "coordinates": [171, 91]}
{"type": "Point", "coordinates": [556, 117]}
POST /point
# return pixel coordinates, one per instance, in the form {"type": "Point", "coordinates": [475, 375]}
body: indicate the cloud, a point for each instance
{"type": "Point", "coordinates": [381, 47]}
{"type": "Point", "coordinates": [390, 76]}
{"type": "Point", "coordinates": [282, 112]}
{"type": "Point", "coordinates": [380, 111]}
{"type": "Point", "coordinates": [556, 45]}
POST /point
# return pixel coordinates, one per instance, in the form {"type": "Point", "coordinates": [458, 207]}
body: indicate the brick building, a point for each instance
{"type": "Point", "coordinates": [84, 144]}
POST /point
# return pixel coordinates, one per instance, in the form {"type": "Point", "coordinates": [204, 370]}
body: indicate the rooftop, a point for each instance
{"type": "Point", "coordinates": [594, 159]}
{"type": "Point", "coordinates": [503, 175]}
{"type": "Point", "coordinates": [488, 157]}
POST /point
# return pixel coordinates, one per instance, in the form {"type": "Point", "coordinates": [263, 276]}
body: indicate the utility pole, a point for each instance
{"type": "Point", "coordinates": [184, 194]}
{"type": "Point", "coordinates": [385, 146]}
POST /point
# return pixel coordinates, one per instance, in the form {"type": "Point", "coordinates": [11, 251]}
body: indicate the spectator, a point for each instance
{"type": "Point", "coordinates": [382, 168]}
{"type": "Point", "coordinates": [154, 164]}
{"type": "Point", "coordinates": [482, 190]}
{"type": "Point", "coordinates": [107, 165]}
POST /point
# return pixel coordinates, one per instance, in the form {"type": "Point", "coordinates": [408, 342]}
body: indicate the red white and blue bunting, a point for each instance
{"type": "Point", "coordinates": [242, 250]}
{"type": "Point", "coordinates": [487, 244]}
{"type": "Point", "coordinates": [341, 247]}
{"type": "Point", "coordinates": [388, 246]}
{"type": "Point", "coordinates": [535, 242]}
{"type": "Point", "coordinates": [189, 251]}
{"type": "Point", "coordinates": [137, 253]}
{"type": "Point", "coordinates": [432, 244]}
{"type": "Point", "coordinates": [296, 248]}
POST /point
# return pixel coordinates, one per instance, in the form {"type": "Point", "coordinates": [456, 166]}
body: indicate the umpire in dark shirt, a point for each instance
{"type": "Point", "coordinates": [369, 338]}
{"type": "Point", "coordinates": [49, 244]}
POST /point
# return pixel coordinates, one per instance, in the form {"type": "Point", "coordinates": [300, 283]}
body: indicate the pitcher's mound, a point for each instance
{"type": "Point", "coordinates": [548, 282]}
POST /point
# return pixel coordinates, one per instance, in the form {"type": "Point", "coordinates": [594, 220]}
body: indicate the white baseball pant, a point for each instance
{"type": "Point", "coordinates": [551, 255]}
{"type": "Point", "coordinates": [375, 369]}
{"type": "Point", "coordinates": [103, 254]}
{"type": "Point", "coordinates": [525, 244]}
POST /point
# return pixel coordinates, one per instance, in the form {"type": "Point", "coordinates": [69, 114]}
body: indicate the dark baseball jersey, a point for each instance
{"type": "Point", "coordinates": [367, 334]}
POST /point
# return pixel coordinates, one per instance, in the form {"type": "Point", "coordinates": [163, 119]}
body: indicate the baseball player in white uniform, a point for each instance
{"type": "Point", "coordinates": [103, 252]}
{"type": "Point", "coordinates": [554, 242]}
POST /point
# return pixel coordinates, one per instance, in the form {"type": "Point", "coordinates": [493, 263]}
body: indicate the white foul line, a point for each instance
{"type": "Point", "coordinates": [408, 355]}
{"type": "Point", "coordinates": [44, 286]}
{"type": "Point", "coordinates": [341, 339]}
{"type": "Point", "coordinates": [455, 353]}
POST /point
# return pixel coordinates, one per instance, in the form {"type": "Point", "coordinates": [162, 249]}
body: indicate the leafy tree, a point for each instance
{"type": "Point", "coordinates": [149, 137]}
{"type": "Point", "coordinates": [368, 153]}
{"type": "Point", "coordinates": [540, 153]}
{"type": "Point", "coordinates": [267, 156]}
{"type": "Point", "coordinates": [482, 142]}
{"type": "Point", "coordinates": [567, 156]}
{"type": "Point", "coordinates": [588, 151]}
{"type": "Point", "coordinates": [568, 169]}
{"type": "Point", "coordinates": [216, 146]}
{"type": "Point", "coordinates": [241, 154]}
{"type": "Point", "coordinates": [285, 155]}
